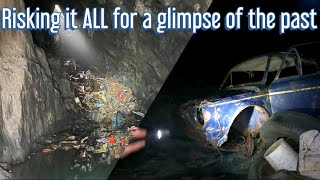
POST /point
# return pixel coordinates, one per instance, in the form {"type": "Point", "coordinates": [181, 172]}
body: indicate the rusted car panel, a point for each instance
{"type": "Point", "coordinates": [219, 116]}
{"type": "Point", "coordinates": [213, 118]}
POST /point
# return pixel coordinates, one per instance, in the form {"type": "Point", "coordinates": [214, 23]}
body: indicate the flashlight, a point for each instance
{"type": "Point", "coordinates": [162, 133]}
{"type": "Point", "coordinates": [159, 134]}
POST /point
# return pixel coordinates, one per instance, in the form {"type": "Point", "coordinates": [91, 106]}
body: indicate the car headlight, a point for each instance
{"type": "Point", "coordinates": [200, 117]}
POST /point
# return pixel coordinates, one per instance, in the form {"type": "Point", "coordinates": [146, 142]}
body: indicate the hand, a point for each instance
{"type": "Point", "coordinates": [137, 133]}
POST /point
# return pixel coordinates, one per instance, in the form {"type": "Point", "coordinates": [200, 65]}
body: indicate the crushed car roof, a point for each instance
{"type": "Point", "coordinates": [259, 63]}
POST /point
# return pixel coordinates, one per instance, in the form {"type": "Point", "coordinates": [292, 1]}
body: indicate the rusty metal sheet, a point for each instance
{"type": "Point", "coordinates": [220, 115]}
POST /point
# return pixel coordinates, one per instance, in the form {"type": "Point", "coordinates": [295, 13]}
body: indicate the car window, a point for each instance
{"type": "Point", "coordinates": [308, 57]}
{"type": "Point", "coordinates": [310, 53]}
{"type": "Point", "coordinates": [249, 71]}
{"type": "Point", "coordinates": [309, 68]}
{"type": "Point", "coordinates": [244, 77]}
{"type": "Point", "coordinates": [309, 64]}
{"type": "Point", "coordinates": [247, 77]}
{"type": "Point", "coordinates": [289, 67]}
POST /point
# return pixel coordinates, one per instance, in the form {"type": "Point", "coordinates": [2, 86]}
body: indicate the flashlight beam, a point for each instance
{"type": "Point", "coordinates": [159, 134]}
{"type": "Point", "coordinates": [58, 9]}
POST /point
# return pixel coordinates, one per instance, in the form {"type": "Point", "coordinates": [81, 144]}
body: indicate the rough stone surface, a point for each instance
{"type": "Point", "coordinates": [5, 174]}
{"type": "Point", "coordinates": [30, 106]}
{"type": "Point", "coordinates": [5, 171]}
{"type": "Point", "coordinates": [5, 166]}
{"type": "Point", "coordinates": [141, 60]}
{"type": "Point", "coordinates": [34, 91]}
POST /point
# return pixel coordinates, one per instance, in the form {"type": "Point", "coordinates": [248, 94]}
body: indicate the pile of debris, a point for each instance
{"type": "Point", "coordinates": [109, 115]}
{"type": "Point", "coordinates": [92, 145]}
{"type": "Point", "coordinates": [106, 101]}
{"type": "Point", "coordinates": [103, 99]}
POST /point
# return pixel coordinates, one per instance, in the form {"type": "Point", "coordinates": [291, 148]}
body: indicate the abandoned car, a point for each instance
{"type": "Point", "coordinates": [251, 92]}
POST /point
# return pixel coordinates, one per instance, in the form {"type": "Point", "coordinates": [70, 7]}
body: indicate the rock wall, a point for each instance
{"type": "Point", "coordinates": [30, 105]}
{"type": "Point", "coordinates": [34, 91]}
{"type": "Point", "coordinates": [141, 60]}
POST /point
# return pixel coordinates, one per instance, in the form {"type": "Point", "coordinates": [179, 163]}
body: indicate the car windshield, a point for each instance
{"type": "Point", "coordinates": [250, 71]}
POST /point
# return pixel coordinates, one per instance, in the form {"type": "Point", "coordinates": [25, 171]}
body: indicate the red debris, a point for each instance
{"type": "Point", "coordinates": [112, 139]}
{"type": "Point", "coordinates": [120, 96]}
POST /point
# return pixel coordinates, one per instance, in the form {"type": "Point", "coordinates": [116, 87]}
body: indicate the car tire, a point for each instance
{"type": "Point", "coordinates": [259, 169]}
{"type": "Point", "coordinates": [287, 124]}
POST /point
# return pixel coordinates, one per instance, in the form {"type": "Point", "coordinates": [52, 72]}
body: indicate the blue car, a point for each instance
{"type": "Point", "coordinates": [254, 90]}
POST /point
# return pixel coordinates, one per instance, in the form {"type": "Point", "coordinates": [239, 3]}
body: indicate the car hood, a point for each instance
{"type": "Point", "coordinates": [219, 95]}
{"type": "Point", "coordinates": [226, 93]}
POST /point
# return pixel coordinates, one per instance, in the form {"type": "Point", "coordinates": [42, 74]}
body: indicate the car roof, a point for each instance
{"type": "Point", "coordinates": [259, 63]}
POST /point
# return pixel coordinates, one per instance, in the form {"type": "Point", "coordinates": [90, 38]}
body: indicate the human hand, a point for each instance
{"type": "Point", "coordinates": [137, 133]}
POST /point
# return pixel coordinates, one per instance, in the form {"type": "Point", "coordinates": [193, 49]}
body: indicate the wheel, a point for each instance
{"type": "Point", "coordinates": [259, 169]}
{"type": "Point", "coordinates": [287, 124]}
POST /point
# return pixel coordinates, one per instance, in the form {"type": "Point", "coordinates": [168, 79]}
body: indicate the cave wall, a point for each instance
{"type": "Point", "coordinates": [35, 95]}
{"type": "Point", "coordinates": [141, 60]}
{"type": "Point", "coordinates": [30, 105]}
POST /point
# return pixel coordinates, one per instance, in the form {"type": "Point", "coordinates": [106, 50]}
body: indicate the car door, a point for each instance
{"type": "Point", "coordinates": [294, 90]}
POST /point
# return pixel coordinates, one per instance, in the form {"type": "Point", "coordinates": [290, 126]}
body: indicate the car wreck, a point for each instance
{"type": "Point", "coordinates": [250, 94]}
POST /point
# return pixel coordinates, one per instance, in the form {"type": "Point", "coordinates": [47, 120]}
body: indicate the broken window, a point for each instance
{"type": "Point", "coordinates": [250, 71]}
{"type": "Point", "coordinates": [310, 58]}
{"type": "Point", "coordinates": [246, 77]}
{"type": "Point", "coordinates": [309, 68]}
{"type": "Point", "coordinates": [288, 71]}
{"type": "Point", "coordinates": [289, 67]}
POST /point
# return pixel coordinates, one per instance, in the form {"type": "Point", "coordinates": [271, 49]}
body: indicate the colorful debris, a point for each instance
{"type": "Point", "coordinates": [109, 114]}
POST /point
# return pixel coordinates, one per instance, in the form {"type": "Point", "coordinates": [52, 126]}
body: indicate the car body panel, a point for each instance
{"type": "Point", "coordinates": [219, 116]}
{"type": "Point", "coordinates": [297, 93]}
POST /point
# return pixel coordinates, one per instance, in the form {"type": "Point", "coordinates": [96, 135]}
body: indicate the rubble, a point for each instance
{"type": "Point", "coordinates": [109, 113]}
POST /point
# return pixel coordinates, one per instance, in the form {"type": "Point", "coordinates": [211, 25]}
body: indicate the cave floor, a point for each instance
{"type": "Point", "coordinates": [176, 156]}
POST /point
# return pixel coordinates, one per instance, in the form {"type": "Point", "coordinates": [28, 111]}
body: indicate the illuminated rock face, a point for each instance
{"type": "Point", "coordinates": [144, 59]}
{"type": "Point", "coordinates": [141, 60]}
{"type": "Point", "coordinates": [30, 105]}
{"type": "Point", "coordinates": [34, 92]}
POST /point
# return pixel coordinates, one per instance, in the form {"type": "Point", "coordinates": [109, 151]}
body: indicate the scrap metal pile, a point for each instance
{"type": "Point", "coordinates": [109, 113]}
